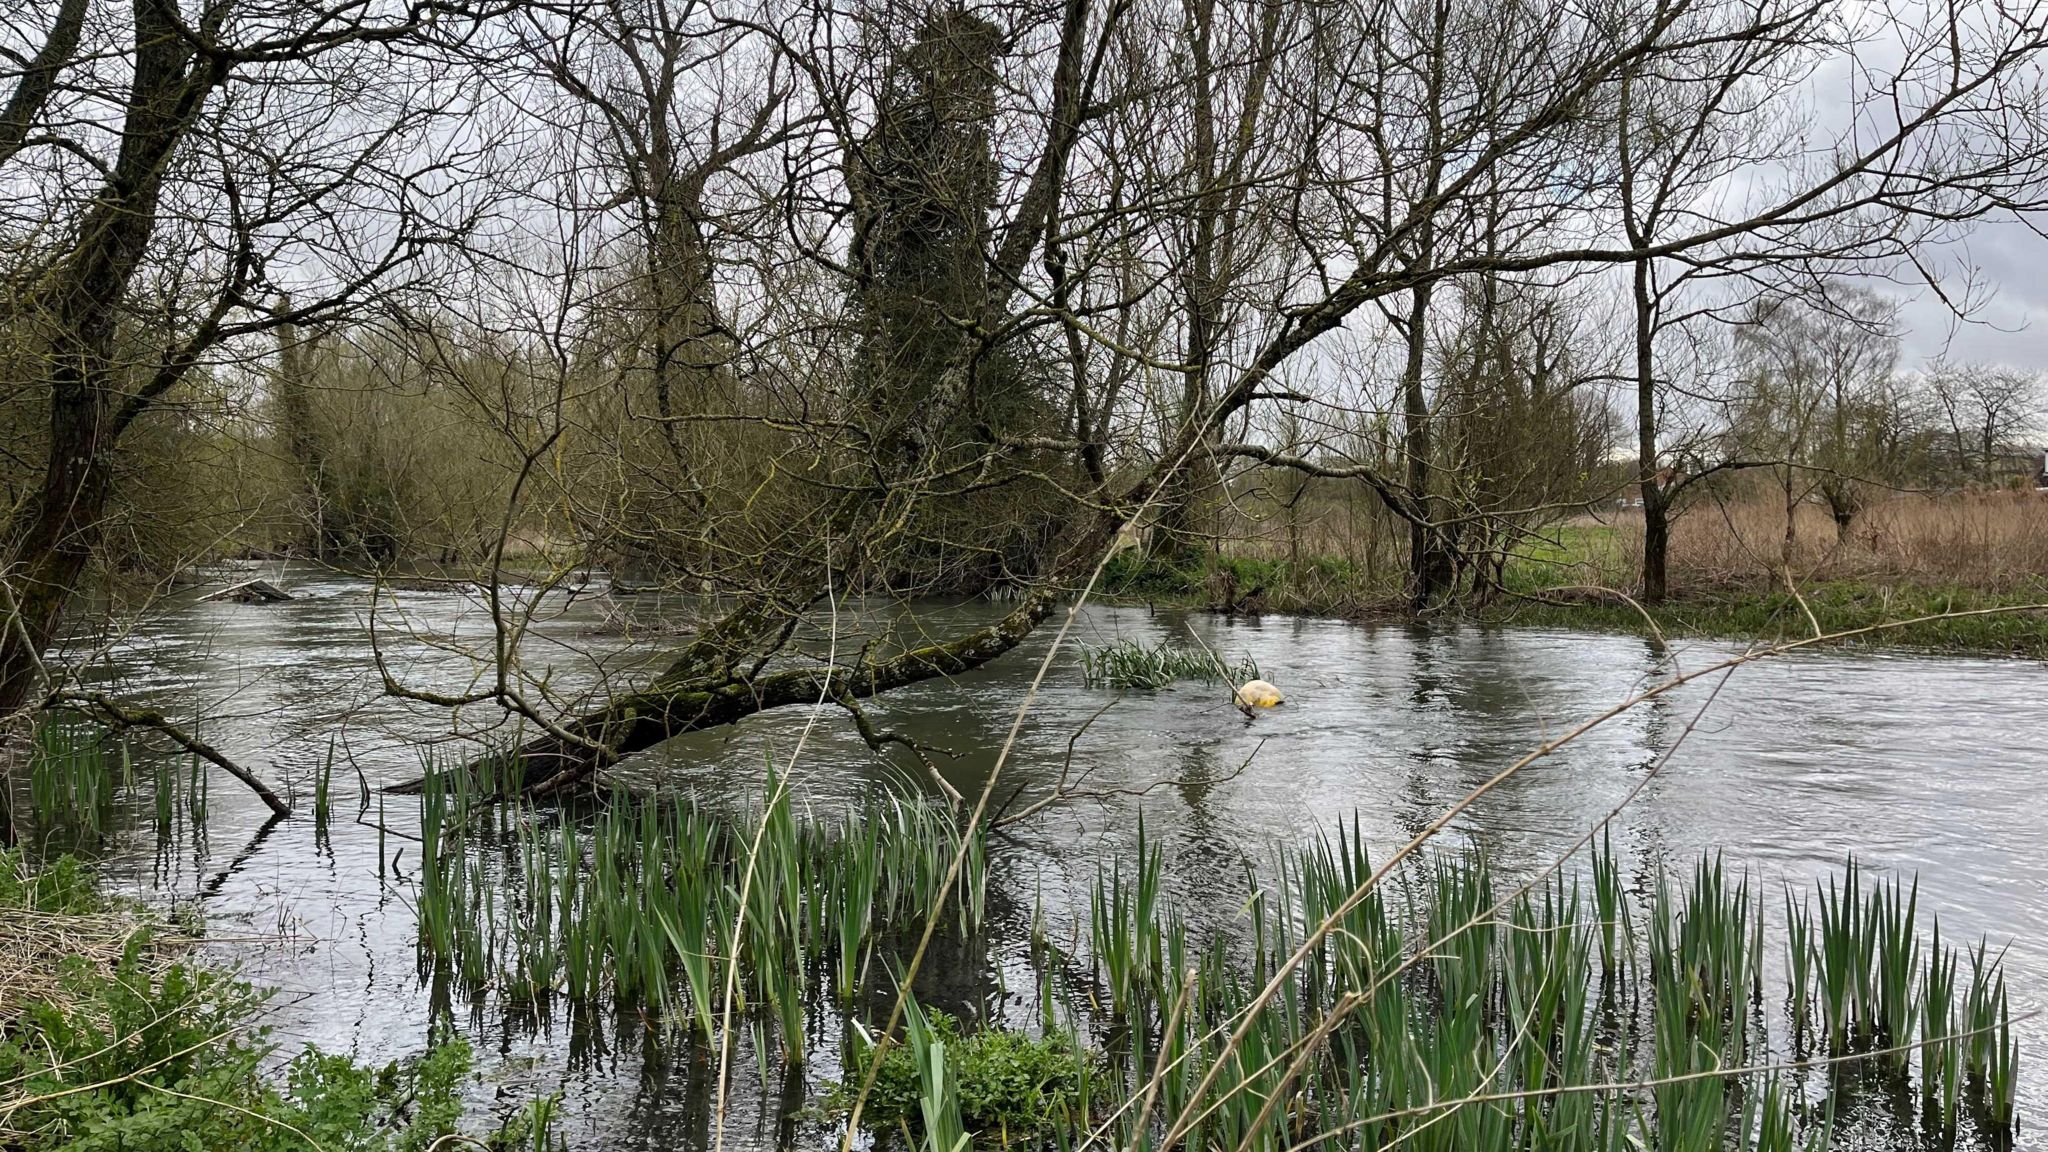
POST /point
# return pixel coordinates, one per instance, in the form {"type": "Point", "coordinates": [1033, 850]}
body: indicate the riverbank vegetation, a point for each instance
{"type": "Point", "coordinates": [114, 1036]}
{"type": "Point", "coordinates": [1975, 559]}
{"type": "Point", "coordinates": [1420, 999]}
{"type": "Point", "coordinates": [1432, 1004]}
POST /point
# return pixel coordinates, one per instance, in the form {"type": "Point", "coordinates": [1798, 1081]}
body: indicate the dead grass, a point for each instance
{"type": "Point", "coordinates": [50, 929]}
{"type": "Point", "coordinates": [1988, 541]}
{"type": "Point", "coordinates": [36, 948]}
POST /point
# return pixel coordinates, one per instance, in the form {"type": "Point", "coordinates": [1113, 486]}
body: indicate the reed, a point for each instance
{"type": "Point", "coordinates": [74, 771]}
{"type": "Point", "coordinates": [635, 902]}
{"type": "Point", "coordinates": [81, 777]}
{"type": "Point", "coordinates": [1443, 1012]}
{"type": "Point", "coordinates": [1129, 664]}
{"type": "Point", "coordinates": [1454, 1018]}
{"type": "Point", "coordinates": [323, 790]}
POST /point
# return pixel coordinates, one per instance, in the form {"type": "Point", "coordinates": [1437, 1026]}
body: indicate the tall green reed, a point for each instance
{"type": "Point", "coordinates": [1129, 664]}
{"type": "Point", "coordinates": [636, 901]}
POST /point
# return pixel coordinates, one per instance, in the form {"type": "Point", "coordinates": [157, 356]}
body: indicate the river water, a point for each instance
{"type": "Point", "coordinates": [1928, 765]}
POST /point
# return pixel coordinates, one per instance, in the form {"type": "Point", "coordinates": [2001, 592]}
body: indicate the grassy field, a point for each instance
{"type": "Point", "coordinates": [1985, 554]}
{"type": "Point", "coordinates": [2004, 625]}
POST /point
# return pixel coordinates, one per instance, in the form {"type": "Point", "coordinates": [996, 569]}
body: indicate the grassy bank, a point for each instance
{"type": "Point", "coordinates": [1772, 615]}
{"type": "Point", "coordinates": [1582, 575]}
{"type": "Point", "coordinates": [113, 1038]}
{"type": "Point", "coordinates": [1309, 586]}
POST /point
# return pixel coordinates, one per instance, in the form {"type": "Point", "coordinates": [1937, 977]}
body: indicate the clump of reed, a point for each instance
{"type": "Point", "coordinates": [74, 771]}
{"type": "Point", "coordinates": [1441, 1012]}
{"type": "Point", "coordinates": [652, 902]}
{"type": "Point", "coordinates": [1875, 988]}
{"type": "Point", "coordinates": [80, 777]}
{"type": "Point", "coordinates": [1129, 664]}
{"type": "Point", "coordinates": [1435, 1008]}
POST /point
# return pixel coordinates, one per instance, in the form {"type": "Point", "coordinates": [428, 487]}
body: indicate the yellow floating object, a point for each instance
{"type": "Point", "coordinates": [1258, 694]}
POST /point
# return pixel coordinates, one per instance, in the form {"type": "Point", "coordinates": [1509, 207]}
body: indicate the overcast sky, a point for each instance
{"type": "Point", "coordinates": [2010, 324]}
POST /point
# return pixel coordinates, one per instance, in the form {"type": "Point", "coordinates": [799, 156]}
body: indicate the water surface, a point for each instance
{"type": "Point", "coordinates": [1914, 764]}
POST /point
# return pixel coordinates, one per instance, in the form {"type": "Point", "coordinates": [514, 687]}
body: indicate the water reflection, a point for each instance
{"type": "Point", "coordinates": [1913, 764]}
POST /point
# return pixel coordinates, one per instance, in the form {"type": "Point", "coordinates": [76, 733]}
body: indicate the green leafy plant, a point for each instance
{"type": "Point", "coordinates": [63, 886]}
{"type": "Point", "coordinates": [1129, 664]}
{"type": "Point", "coordinates": [138, 1054]}
{"type": "Point", "coordinates": [1001, 1087]}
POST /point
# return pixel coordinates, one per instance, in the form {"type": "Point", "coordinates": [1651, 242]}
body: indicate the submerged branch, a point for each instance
{"type": "Point", "coordinates": [702, 691]}
{"type": "Point", "coordinates": [121, 716]}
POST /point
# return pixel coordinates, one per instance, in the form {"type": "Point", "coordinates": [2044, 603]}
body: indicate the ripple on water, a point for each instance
{"type": "Point", "coordinates": [1912, 763]}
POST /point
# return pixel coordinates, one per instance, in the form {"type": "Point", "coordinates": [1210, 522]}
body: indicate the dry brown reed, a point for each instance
{"type": "Point", "coordinates": [1994, 541]}
{"type": "Point", "coordinates": [37, 948]}
{"type": "Point", "coordinates": [54, 922]}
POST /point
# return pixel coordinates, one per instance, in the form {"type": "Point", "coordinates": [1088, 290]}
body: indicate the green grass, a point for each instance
{"type": "Point", "coordinates": [1543, 588]}
{"type": "Point", "coordinates": [130, 1053]}
{"type": "Point", "coordinates": [1774, 615]}
{"type": "Point", "coordinates": [1444, 984]}
{"type": "Point", "coordinates": [1541, 554]}
{"type": "Point", "coordinates": [655, 903]}
{"type": "Point", "coordinates": [1129, 664]}
{"type": "Point", "coordinates": [1314, 586]}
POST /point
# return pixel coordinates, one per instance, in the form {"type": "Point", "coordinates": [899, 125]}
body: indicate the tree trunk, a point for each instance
{"type": "Point", "coordinates": [1429, 562]}
{"type": "Point", "coordinates": [47, 542]}
{"type": "Point", "coordinates": [1180, 532]}
{"type": "Point", "coordinates": [1656, 511]}
{"type": "Point", "coordinates": [50, 541]}
{"type": "Point", "coordinates": [1656, 544]}
{"type": "Point", "coordinates": [1177, 532]}
{"type": "Point", "coordinates": [1791, 544]}
{"type": "Point", "coordinates": [39, 78]}
{"type": "Point", "coordinates": [304, 440]}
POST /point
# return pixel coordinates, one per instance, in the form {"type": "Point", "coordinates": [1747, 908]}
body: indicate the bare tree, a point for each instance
{"type": "Point", "coordinates": [1813, 407]}
{"type": "Point", "coordinates": [1681, 130]}
{"type": "Point", "coordinates": [37, 77]}
{"type": "Point", "coordinates": [159, 200]}
{"type": "Point", "coordinates": [1986, 410]}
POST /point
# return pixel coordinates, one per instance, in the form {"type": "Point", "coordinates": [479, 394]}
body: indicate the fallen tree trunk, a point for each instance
{"type": "Point", "coordinates": [251, 592]}
{"type": "Point", "coordinates": [702, 692]}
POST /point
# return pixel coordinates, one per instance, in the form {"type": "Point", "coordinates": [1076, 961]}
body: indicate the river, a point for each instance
{"type": "Point", "coordinates": [1920, 764]}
